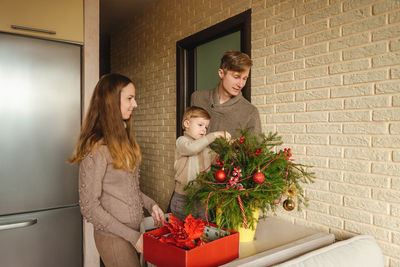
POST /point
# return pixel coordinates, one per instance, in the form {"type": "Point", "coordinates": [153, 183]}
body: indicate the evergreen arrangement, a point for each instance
{"type": "Point", "coordinates": [246, 174]}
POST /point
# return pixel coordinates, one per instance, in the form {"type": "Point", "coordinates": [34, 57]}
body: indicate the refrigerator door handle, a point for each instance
{"type": "Point", "coordinates": [17, 27]}
{"type": "Point", "coordinates": [13, 225]}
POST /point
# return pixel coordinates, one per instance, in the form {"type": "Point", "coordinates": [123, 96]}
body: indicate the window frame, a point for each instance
{"type": "Point", "coordinates": [185, 58]}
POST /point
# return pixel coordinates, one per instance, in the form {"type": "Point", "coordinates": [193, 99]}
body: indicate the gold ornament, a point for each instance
{"type": "Point", "coordinates": [289, 204]}
{"type": "Point", "coordinates": [290, 191]}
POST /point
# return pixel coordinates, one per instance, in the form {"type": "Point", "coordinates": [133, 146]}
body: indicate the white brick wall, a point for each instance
{"type": "Point", "coordinates": [326, 76]}
{"type": "Point", "coordinates": [366, 205]}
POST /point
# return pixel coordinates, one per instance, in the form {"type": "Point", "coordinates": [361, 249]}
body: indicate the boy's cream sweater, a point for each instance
{"type": "Point", "coordinates": [191, 157]}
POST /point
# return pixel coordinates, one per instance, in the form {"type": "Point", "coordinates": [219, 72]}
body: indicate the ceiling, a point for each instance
{"type": "Point", "coordinates": [115, 12]}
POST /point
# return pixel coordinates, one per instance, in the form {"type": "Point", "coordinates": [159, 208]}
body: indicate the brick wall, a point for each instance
{"type": "Point", "coordinates": [326, 76]}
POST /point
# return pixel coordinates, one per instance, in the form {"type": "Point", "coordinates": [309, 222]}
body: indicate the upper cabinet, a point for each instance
{"type": "Point", "coordinates": [53, 19]}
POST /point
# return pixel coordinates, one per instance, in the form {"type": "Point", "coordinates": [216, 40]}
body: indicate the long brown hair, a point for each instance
{"type": "Point", "coordinates": [103, 124]}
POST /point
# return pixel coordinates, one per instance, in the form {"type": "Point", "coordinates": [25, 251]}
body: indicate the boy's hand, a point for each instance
{"type": "Point", "coordinates": [223, 134]}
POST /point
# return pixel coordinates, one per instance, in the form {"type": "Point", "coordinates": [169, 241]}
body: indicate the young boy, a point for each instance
{"type": "Point", "coordinates": [192, 155]}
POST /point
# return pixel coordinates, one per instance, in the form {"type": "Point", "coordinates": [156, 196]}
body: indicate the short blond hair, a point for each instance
{"type": "Point", "coordinates": [194, 112]}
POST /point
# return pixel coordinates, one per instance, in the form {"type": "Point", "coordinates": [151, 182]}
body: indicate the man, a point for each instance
{"type": "Point", "coordinates": [229, 110]}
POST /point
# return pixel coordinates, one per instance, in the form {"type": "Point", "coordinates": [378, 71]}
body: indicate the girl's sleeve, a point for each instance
{"type": "Point", "coordinates": [148, 203]}
{"type": "Point", "coordinates": [91, 173]}
{"type": "Point", "coordinates": [188, 147]}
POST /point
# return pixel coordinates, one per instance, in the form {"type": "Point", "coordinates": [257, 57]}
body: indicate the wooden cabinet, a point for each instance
{"type": "Point", "coordinates": [53, 19]}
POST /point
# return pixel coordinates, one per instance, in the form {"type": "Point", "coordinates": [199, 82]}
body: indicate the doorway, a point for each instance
{"type": "Point", "coordinates": [207, 60]}
{"type": "Point", "coordinates": [198, 58]}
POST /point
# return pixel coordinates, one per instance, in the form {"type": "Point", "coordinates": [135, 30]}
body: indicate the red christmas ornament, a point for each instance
{"type": "Point", "coordinates": [258, 177]}
{"type": "Point", "coordinates": [220, 175]}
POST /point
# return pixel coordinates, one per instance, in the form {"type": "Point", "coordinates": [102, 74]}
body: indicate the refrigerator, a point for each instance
{"type": "Point", "coordinates": [40, 117]}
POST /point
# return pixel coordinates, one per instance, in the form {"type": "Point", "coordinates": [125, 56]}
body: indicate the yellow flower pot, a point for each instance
{"type": "Point", "coordinates": [247, 235]}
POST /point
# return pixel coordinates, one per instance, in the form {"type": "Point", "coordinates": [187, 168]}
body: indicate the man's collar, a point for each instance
{"type": "Point", "coordinates": [215, 98]}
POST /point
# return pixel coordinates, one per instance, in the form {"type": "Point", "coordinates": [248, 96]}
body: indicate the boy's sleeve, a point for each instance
{"type": "Point", "coordinates": [187, 147]}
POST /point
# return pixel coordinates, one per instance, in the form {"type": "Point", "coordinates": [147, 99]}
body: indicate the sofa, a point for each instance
{"type": "Point", "coordinates": [358, 251]}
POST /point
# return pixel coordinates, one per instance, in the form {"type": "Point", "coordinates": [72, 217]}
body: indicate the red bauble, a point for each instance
{"type": "Point", "coordinates": [258, 177]}
{"type": "Point", "coordinates": [220, 175]}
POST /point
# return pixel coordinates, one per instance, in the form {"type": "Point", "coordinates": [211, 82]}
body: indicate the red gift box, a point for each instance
{"type": "Point", "coordinates": [214, 253]}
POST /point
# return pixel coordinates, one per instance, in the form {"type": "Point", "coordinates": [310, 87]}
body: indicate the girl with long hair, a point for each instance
{"type": "Point", "coordinates": [109, 158]}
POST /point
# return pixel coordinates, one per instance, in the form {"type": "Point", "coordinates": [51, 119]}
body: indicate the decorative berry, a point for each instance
{"type": "Point", "coordinates": [220, 175]}
{"type": "Point", "coordinates": [258, 177]}
{"type": "Point", "coordinates": [258, 151]}
{"type": "Point", "coordinates": [220, 162]}
{"type": "Point", "coordinates": [233, 180]}
{"type": "Point", "coordinates": [287, 153]}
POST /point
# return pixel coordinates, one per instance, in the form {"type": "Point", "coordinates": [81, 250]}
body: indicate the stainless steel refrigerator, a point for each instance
{"type": "Point", "coordinates": [40, 115]}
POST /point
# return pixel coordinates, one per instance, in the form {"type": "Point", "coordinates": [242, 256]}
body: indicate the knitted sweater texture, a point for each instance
{"type": "Point", "coordinates": [230, 116]}
{"type": "Point", "coordinates": [111, 198]}
{"type": "Point", "coordinates": [191, 157]}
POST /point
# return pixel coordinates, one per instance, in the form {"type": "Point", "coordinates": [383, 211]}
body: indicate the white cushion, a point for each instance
{"type": "Point", "coordinates": [358, 251]}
